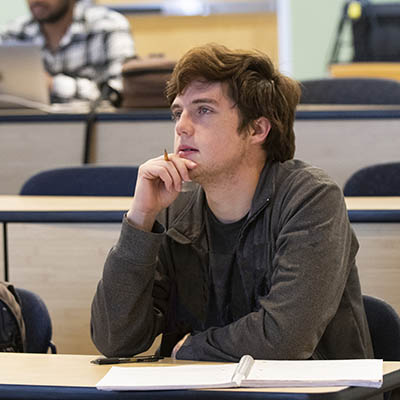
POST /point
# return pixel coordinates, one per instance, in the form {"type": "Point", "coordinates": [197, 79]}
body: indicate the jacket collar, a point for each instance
{"type": "Point", "coordinates": [188, 211]}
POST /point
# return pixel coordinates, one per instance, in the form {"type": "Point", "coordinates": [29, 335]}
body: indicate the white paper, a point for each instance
{"type": "Point", "coordinates": [168, 377]}
{"type": "Point", "coordinates": [315, 373]}
{"type": "Point", "coordinates": [264, 373]}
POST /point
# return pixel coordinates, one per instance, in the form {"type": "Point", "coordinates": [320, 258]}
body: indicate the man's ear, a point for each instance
{"type": "Point", "coordinates": [260, 129]}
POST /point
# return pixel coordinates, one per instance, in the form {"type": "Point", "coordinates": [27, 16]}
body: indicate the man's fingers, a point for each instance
{"type": "Point", "coordinates": [166, 172]}
{"type": "Point", "coordinates": [170, 169]}
{"type": "Point", "coordinates": [171, 177]}
{"type": "Point", "coordinates": [181, 164]}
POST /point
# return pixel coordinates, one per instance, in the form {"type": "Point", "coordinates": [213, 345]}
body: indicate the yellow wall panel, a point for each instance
{"type": "Point", "coordinates": [173, 35]}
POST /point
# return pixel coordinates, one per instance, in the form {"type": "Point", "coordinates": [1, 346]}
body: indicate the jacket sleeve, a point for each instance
{"type": "Point", "coordinates": [314, 249]}
{"type": "Point", "coordinates": [125, 317]}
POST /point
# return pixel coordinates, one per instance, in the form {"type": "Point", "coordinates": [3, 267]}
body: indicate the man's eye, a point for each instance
{"type": "Point", "coordinates": [176, 115]}
{"type": "Point", "coordinates": [204, 110]}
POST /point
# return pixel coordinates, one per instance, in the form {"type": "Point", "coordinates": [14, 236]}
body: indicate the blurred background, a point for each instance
{"type": "Point", "coordinates": [297, 34]}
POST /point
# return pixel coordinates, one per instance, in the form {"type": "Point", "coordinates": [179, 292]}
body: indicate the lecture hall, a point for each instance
{"type": "Point", "coordinates": [107, 106]}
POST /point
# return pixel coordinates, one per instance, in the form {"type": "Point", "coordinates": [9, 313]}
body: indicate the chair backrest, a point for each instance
{"type": "Point", "coordinates": [84, 180]}
{"type": "Point", "coordinates": [374, 180]}
{"type": "Point", "coordinates": [384, 327]}
{"type": "Point", "coordinates": [375, 31]}
{"type": "Point", "coordinates": [350, 91]}
{"type": "Point", "coordinates": [37, 320]}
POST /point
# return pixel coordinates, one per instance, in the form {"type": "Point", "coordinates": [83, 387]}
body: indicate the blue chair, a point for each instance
{"type": "Point", "coordinates": [374, 180]}
{"type": "Point", "coordinates": [37, 323]}
{"type": "Point", "coordinates": [86, 180]}
{"type": "Point", "coordinates": [350, 91]}
{"type": "Point", "coordinates": [384, 327]}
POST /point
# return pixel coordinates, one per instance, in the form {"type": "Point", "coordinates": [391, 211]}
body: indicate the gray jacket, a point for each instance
{"type": "Point", "coordinates": [296, 255]}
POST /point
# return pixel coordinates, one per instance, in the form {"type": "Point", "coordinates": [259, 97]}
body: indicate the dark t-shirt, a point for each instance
{"type": "Point", "coordinates": [227, 301]}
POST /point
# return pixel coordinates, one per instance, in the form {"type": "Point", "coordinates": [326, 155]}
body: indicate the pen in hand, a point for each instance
{"type": "Point", "coordinates": [185, 185]}
{"type": "Point", "coordinates": [166, 158]}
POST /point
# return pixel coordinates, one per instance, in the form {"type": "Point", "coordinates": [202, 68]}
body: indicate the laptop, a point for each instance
{"type": "Point", "coordinates": [22, 77]}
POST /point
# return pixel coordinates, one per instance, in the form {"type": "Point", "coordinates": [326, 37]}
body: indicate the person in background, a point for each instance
{"type": "Point", "coordinates": [84, 46]}
{"type": "Point", "coordinates": [259, 257]}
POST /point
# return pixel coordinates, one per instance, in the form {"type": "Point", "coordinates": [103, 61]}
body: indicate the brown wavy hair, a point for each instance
{"type": "Point", "coordinates": [255, 85]}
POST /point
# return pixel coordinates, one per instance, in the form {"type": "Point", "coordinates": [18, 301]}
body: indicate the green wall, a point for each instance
{"type": "Point", "coordinates": [11, 9]}
{"type": "Point", "coordinates": [313, 28]}
{"type": "Point", "coordinates": [313, 31]}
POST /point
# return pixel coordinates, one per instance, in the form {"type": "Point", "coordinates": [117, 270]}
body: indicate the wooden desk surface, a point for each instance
{"type": "Point", "coordinates": [16, 203]}
{"type": "Point", "coordinates": [389, 70]}
{"type": "Point", "coordinates": [373, 203]}
{"type": "Point", "coordinates": [77, 371]}
{"type": "Point", "coordinates": [347, 107]}
{"type": "Point", "coordinates": [118, 114]}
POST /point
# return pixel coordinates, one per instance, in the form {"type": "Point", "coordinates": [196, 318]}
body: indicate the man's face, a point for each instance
{"type": "Point", "coordinates": [49, 11]}
{"type": "Point", "coordinates": [206, 131]}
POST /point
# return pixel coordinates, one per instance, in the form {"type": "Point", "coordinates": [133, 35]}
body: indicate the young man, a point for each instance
{"type": "Point", "coordinates": [83, 46]}
{"type": "Point", "coordinates": [259, 258]}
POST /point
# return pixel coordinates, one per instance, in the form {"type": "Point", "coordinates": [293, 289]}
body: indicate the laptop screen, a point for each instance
{"type": "Point", "coordinates": [22, 76]}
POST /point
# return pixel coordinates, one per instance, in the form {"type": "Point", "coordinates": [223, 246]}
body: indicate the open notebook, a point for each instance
{"type": "Point", "coordinates": [247, 373]}
{"type": "Point", "coordinates": [22, 77]}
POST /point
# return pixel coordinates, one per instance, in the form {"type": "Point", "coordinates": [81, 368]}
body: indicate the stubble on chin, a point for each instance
{"type": "Point", "coordinates": [52, 16]}
{"type": "Point", "coordinates": [212, 177]}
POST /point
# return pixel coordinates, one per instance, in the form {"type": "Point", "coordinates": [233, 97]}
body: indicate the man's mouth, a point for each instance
{"type": "Point", "coordinates": [185, 152]}
{"type": "Point", "coordinates": [38, 9]}
{"type": "Point", "coordinates": [183, 149]}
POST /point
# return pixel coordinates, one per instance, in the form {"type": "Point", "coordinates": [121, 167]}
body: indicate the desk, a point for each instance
{"type": "Point", "coordinates": [376, 222]}
{"type": "Point", "coordinates": [388, 70]}
{"type": "Point", "coordinates": [34, 141]}
{"type": "Point", "coordinates": [373, 208]}
{"type": "Point", "coordinates": [15, 208]}
{"type": "Point", "coordinates": [58, 376]}
{"type": "Point", "coordinates": [65, 241]}
{"type": "Point", "coordinates": [330, 137]}
{"type": "Point", "coordinates": [131, 137]}
{"type": "Point", "coordinates": [56, 247]}
{"type": "Point", "coordinates": [343, 139]}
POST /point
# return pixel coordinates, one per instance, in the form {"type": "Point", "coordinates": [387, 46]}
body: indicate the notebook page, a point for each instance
{"type": "Point", "coordinates": [168, 377]}
{"type": "Point", "coordinates": [302, 373]}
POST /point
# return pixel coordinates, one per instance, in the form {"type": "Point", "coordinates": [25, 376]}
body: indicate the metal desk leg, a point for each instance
{"type": "Point", "coordinates": [5, 251]}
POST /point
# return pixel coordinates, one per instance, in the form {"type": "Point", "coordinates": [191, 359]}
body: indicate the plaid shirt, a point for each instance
{"type": "Point", "coordinates": [89, 54]}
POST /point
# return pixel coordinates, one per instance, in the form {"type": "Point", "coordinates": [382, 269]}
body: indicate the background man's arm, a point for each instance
{"type": "Point", "coordinates": [118, 46]}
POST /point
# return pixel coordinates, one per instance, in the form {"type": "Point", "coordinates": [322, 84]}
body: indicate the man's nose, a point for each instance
{"type": "Point", "coordinates": [184, 126]}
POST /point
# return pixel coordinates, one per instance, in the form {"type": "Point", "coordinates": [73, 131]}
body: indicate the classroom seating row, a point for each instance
{"type": "Point", "coordinates": [78, 232]}
{"type": "Point", "coordinates": [339, 139]}
{"type": "Point", "coordinates": [66, 275]}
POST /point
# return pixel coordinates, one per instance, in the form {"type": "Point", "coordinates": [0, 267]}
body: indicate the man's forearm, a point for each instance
{"type": "Point", "coordinates": [66, 88]}
{"type": "Point", "coordinates": [123, 319]}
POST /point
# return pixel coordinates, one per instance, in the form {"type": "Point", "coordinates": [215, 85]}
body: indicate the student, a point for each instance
{"type": "Point", "coordinates": [84, 46]}
{"type": "Point", "coordinates": [259, 258]}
